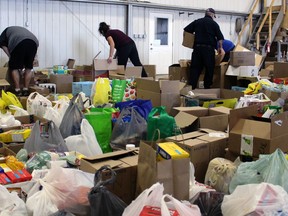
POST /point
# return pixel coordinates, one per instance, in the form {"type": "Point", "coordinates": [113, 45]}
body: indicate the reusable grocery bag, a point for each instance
{"type": "Point", "coordinates": [118, 88]}
{"type": "Point", "coordinates": [50, 140]}
{"type": "Point", "coordinates": [101, 121]}
{"type": "Point", "coordinates": [71, 122]}
{"type": "Point", "coordinates": [129, 128]}
{"type": "Point", "coordinates": [159, 119]}
{"type": "Point", "coordinates": [102, 201]}
{"type": "Point", "coordinates": [143, 107]}
{"type": "Point", "coordinates": [172, 173]}
{"type": "Point", "coordinates": [130, 90]}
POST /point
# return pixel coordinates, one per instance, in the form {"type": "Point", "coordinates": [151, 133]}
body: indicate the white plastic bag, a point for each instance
{"type": "Point", "coordinates": [183, 208]}
{"type": "Point", "coordinates": [256, 199]}
{"type": "Point", "coordinates": [8, 120]}
{"type": "Point", "coordinates": [11, 204]}
{"type": "Point", "coordinates": [68, 191]}
{"type": "Point", "coordinates": [149, 197]}
{"type": "Point", "coordinates": [86, 143]}
{"type": "Point", "coordinates": [219, 174]}
{"type": "Point", "coordinates": [18, 111]}
{"type": "Point", "coordinates": [37, 104]}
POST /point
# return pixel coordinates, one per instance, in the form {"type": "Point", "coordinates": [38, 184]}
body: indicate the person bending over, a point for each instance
{"type": "Point", "coordinates": [21, 46]}
{"type": "Point", "coordinates": [124, 45]}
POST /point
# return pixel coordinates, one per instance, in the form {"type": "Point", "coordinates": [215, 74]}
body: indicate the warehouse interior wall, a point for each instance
{"type": "Point", "coordinates": [70, 29]}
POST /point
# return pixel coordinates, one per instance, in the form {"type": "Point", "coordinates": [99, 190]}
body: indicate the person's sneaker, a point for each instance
{"type": "Point", "coordinates": [25, 93]}
{"type": "Point", "coordinates": [18, 93]}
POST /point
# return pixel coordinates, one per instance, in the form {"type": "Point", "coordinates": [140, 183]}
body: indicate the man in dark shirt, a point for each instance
{"type": "Point", "coordinates": [207, 34]}
{"type": "Point", "coordinates": [124, 45]}
{"type": "Point", "coordinates": [21, 46]}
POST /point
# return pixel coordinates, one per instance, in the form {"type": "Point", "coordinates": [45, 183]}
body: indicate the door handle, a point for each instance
{"type": "Point", "coordinates": [151, 48]}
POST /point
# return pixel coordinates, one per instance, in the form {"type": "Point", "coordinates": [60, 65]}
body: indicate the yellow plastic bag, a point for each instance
{"type": "Point", "coordinates": [253, 88]}
{"type": "Point", "coordinates": [102, 91]}
{"type": "Point", "coordinates": [11, 99]}
{"type": "Point", "coordinates": [3, 104]}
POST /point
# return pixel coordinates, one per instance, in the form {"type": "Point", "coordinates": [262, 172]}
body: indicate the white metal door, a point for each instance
{"type": "Point", "coordinates": [160, 41]}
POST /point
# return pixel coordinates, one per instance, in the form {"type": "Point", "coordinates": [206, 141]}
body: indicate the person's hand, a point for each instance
{"type": "Point", "coordinates": [109, 60]}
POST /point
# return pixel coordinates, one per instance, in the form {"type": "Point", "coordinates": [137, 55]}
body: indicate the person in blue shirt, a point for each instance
{"type": "Point", "coordinates": [227, 46]}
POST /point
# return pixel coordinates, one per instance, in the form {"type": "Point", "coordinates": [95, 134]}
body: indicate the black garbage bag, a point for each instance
{"type": "Point", "coordinates": [209, 203]}
{"type": "Point", "coordinates": [102, 201]}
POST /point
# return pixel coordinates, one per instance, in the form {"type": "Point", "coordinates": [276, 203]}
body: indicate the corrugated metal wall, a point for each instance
{"type": "Point", "coordinates": [70, 29]}
{"type": "Point", "coordinates": [64, 29]}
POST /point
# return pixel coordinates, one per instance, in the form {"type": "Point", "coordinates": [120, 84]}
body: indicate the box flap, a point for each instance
{"type": "Point", "coordinates": [227, 94]}
{"type": "Point", "coordinates": [214, 122]}
{"type": "Point", "coordinates": [219, 110]}
{"type": "Point", "coordinates": [131, 161]}
{"type": "Point", "coordinates": [244, 113]}
{"type": "Point", "coordinates": [3, 72]}
{"type": "Point", "coordinates": [196, 111]}
{"type": "Point", "coordinates": [251, 127]}
{"type": "Point", "coordinates": [111, 155]}
{"type": "Point", "coordinates": [133, 71]}
{"type": "Point", "coordinates": [148, 84]}
{"type": "Point", "coordinates": [184, 119]}
{"type": "Point", "coordinates": [214, 136]}
{"type": "Point", "coordinates": [186, 136]}
{"type": "Point", "coordinates": [170, 86]}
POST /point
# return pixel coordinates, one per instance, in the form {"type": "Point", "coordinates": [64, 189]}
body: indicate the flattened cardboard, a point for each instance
{"type": "Point", "coordinates": [280, 70]}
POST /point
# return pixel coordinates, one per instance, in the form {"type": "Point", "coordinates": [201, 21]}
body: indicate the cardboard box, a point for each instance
{"type": "Point", "coordinates": [124, 163]}
{"type": "Point", "coordinates": [280, 69]}
{"type": "Point", "coordinates": [150, 70]}
{"type": "Point", "coordinates": [63, 82]}
{"type": "Point", "coordinates": [161, 92]}
{"type": "Point", "coordinates": [102, 64]}
{"type": "Point", "coordinates": [253, 136]}
{"type": "Point", "coordinates": [6, 151]}
{"type": "Point", "coordinates": [41, 90]}
{"type": "Point", "coordinates": [242, 58]}
{"type": "Point", "coordinates": [219, 79]}
{"type": "Point", "coordinates": [176, 72]}
{"type": "Point", "coordinates": [193, 118]}
{"type": "Point", "coordinates": [258, 58]}
{"type": "Point", "coordinates": [243, 71]}
{"type": "Point", "coordinates": [188, 39]}
{"type": "Point", "coordinates": [203, 146]}
{"type": "Point", "coordinates": [3, 77]}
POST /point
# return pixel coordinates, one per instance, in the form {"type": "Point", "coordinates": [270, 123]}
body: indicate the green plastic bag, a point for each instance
{"type": "Point", "coordinates": [118, 89]}
{"type": "Point", "coordinates": [159, 119]}
{"type": "Point", "coordinates": [101, 121]}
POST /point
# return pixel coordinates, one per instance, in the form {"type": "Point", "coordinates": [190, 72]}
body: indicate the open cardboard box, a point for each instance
{"type": "Point", "coordinates": [203, 145]}
{"type": "Point", "coordinates": [253, 136]}
{"type": "Point", "coordinates": [161, 93]}
{"type": "Point", "coordinates": [124, 163]}
{"type": "Point", "coordinates": [102, 64]}
{"type": "Point", "coordinates": [193, 118]}
{"type": "Point", "coordinates": [245, 71]}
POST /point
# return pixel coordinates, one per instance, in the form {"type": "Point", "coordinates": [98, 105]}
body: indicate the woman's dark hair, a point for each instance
{"type": "Point", "coordinates": [103, 28]}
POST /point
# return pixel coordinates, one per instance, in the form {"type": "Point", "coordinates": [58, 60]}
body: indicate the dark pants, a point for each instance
{"type": "Point", "coordinates": [227, 55]}
{"type": "Point", "coordinates": [202, 57]}
{"type": "Point", "coordinates": [129, 51]}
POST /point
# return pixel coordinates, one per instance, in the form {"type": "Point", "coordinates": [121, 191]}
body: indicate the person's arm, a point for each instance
{"type": "Point", "coordinates": [112, 48]}
{"type": "Point", "coordinates": [220, 47]}
{"type": "Point", "coordinates": [5, 49]}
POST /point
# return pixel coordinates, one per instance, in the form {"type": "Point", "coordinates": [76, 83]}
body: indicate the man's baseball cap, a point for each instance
{"type": "Point", "coordinates": [211, 10]}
